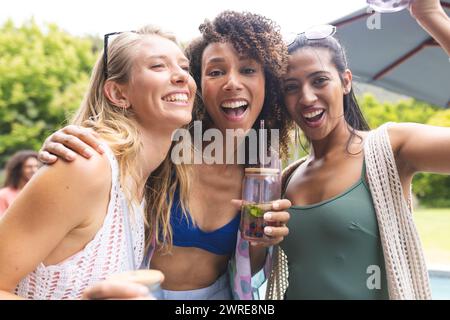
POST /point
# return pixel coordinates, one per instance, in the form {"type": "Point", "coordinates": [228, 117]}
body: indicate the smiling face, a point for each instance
{"type": "Point", "coordinates": [161, 90]}
{"type": "Point", "coordinates": [232, 87]}
{"type": "Point", "coordinates": [314, 92]}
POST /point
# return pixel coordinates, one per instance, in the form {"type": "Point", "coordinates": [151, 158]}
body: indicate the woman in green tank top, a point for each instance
{"type": "Point", "coordinates": [341, 243]}
{"type": "Point", "coordinates": [334, 249]}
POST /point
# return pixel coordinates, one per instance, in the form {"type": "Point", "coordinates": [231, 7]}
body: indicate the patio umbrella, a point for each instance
{"type": "Point", "coordinates": [392, 51]}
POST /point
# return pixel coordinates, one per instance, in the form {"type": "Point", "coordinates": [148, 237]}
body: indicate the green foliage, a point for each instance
{"type": "Point", "coordinates": [44, 75]}
{"type": "Point", "coordinates": [432, 190]}
{"type": "Point", "coordinates": [440, 118]}
{"type": "Point", "coordinates": [410, 110]}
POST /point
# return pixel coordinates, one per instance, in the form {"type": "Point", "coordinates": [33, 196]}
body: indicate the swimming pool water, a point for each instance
{"type": "Point", "coordinates": [440, 285]}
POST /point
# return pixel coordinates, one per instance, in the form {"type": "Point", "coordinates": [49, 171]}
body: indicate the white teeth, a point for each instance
{"type": "Point", "coordinates": [234, 104]}
{"type": "Point", "coordinates": [312, 114]}
{"type": "Point", "coordinates": [182, 97]}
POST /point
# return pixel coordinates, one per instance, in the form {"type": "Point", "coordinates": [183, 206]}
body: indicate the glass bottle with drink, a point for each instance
{"type": "Point", "coordinates": [260, 187]}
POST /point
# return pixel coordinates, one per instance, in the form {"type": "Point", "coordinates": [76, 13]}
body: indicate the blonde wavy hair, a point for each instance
{"type": "Point", "coordinates": [117, 126]}
{"type": "Point", "coordinates": [160, 189]}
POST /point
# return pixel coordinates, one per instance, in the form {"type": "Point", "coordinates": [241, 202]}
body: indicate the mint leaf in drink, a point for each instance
{"type": "Point", "coordinates": [255, 211]}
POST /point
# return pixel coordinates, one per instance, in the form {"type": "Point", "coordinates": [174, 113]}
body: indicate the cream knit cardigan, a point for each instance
{"type": "Point", "coordinates": [406, 272]}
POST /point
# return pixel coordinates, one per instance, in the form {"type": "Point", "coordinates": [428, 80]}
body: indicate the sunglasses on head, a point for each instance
{"type": "Point", "coordinates": [314, 33]}
{"type": "Point", "coordinates": [105, 50]}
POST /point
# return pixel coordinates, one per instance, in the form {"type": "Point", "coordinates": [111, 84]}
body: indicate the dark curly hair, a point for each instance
{"type": "Point", "coordinates": [259, 38]}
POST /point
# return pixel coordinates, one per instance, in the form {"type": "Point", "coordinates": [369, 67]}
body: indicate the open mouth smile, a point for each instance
{"type": "Point", "coordinates": [313, 118]}
{"type": "Point", "coordinates": [234, 110]}
{"type": "Point", "coordinates": [178, 98]}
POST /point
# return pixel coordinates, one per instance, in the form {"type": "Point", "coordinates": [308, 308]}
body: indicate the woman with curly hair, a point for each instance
{"type": "Point", "coordinates": [237, 64]}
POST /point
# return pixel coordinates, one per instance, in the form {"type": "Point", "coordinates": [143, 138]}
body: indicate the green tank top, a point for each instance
{"type": "Point", "coordinates": [334, 249]}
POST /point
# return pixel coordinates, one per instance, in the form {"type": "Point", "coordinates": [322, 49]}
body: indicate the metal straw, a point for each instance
{"type": "Point", "coordinates": [262, 164]}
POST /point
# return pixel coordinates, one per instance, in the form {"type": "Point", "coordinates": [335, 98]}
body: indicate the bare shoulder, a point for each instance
{"type": "Point", "coordinates": [397, 133]}
{"type": "Point", "coordinates": [89, 173]}
{"type": "Point", "coordinates": [69, 188]}
{"type": "Point", "coordinates": [400, 132]}
{"type": "Point", "coordinates": [56, 201]}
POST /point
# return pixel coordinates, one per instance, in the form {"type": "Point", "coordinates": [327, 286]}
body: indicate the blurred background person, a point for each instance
{"type": "Point", "coordinates": [18, 170]}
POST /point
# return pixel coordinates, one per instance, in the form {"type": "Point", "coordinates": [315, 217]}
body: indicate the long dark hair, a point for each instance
{"type": "Point", "coordinates": [352, 112]}
{"type": "Point", "coordinates": [14, 167]}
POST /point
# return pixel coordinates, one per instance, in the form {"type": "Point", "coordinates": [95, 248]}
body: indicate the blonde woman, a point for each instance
{"type": "Point", "coordinates": [77, 223]}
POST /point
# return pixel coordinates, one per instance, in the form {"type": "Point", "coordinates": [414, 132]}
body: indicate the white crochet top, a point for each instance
{"type": "Point", "coordinates": [118, 246]}
{"type": "Point", "coordinates": [406, 270]}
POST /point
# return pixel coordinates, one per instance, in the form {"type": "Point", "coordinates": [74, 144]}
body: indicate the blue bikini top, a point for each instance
{"type": "Point", "coordinates": [221, 241]}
